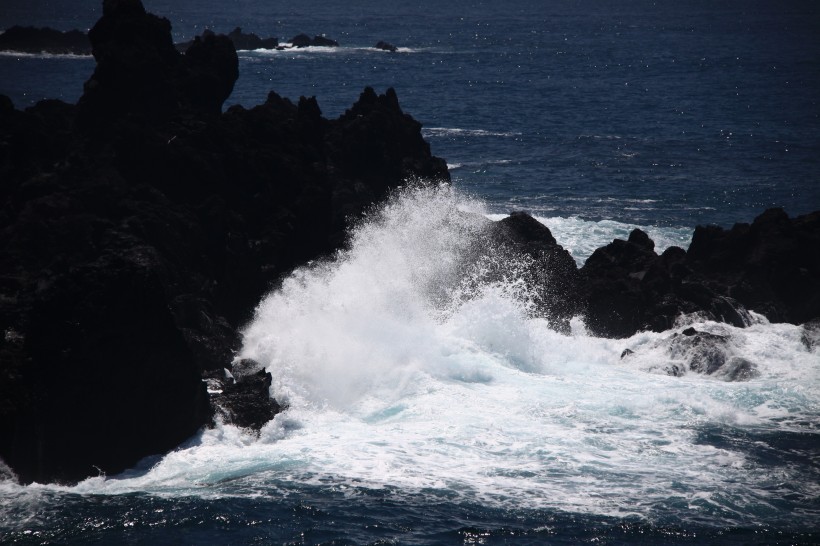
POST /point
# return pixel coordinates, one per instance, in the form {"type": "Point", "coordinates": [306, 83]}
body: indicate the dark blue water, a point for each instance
{"type": "Point", "coordinates": [638, 111]}
{"type": "Point", "coordinates": [652, 113]}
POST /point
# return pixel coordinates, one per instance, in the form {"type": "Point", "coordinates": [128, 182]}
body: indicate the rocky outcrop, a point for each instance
{"type": "Point", "coordinates": [767, 267]}
{"type": "Point", "coordinates": [45, 40]}
{"type": "Point", "coordinates": [139, 229]}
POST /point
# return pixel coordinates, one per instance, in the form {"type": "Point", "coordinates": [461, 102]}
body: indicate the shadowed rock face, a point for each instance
{"type": "Point", "coordinates": [139, 229]}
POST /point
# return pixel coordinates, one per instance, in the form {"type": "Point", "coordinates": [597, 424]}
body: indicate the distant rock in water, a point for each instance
{"type": "Point", "coordinates": [303, 40]}
{"type": "Point", "coordinates": [386, 46]}
{"type": "Point", "coordinates": [45, 40]}
{"type": "Point", "coordinates": [140, 228]}
{"type": "Point", "coordinates": [241, 41]}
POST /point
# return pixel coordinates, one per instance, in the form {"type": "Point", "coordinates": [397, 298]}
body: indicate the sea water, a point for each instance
{"type": "Point", "coordinates": [424, 407]}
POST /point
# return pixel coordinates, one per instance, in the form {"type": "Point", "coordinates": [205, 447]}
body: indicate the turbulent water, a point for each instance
{"type": "Point", "coordinates": [427, 406]}
{"type": "Point", "coordinates": [423, 406]}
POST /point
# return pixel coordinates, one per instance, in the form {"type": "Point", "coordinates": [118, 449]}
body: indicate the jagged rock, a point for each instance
{"type": "Point", "coordinates": [139, 229]}
{"type": "Point", "coordinates": [45, 40]}
{"type": "Point", "coordinates": [626, 353]}
{"type": "Point", "coordinates": [384, 46]}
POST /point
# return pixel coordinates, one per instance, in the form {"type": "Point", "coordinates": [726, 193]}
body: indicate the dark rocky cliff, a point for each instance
{"type": "Point", "coordinates": [139, 228]}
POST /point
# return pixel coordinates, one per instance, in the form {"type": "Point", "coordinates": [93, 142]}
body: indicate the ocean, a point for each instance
{"type": "Point", "coordinates": [425, 410]}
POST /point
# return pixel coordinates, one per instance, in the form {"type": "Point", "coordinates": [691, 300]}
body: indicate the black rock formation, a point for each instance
{"type": "Point", "coordinates": [45, 40]}
{"type": "Point", "coordinates": [139, 228]}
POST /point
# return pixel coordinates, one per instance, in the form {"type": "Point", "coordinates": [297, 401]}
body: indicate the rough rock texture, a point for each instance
{"type": "Point", "coordinates": [243, 398]}
{"type": "Point", "coordinates": [139, 229]}
{"type": "Point", "coordinates": [45, 40]}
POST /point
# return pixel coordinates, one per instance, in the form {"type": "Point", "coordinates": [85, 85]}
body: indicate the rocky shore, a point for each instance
{"type": "Point", "coordinates": [140, 227]}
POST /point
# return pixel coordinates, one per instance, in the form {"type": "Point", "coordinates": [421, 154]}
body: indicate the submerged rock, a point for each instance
{"type": "Point", "coordinates": [810, 335]}
{"type": "Point", "coordinates": [384, 46]}
{"type": "Point", "coordinates": [709, 354]}
{"type": "Point", "coordinates": [303, 40]}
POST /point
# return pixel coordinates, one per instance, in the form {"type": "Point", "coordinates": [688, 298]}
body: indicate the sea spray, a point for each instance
{"type": "Point", "coordinates": [395, 377]}
{"type": "Point", "coordinates": [405, 381]}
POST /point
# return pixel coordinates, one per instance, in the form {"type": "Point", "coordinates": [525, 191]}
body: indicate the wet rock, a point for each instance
{"type": "Point", "coordinates": [619, 281]}
{"type": "Point", "coordinates": [242, 397]}
{"type": "Point", "coordinates": [769, 266]}
{"type": "Point", "coordinates": [626, 353]}
{"type": "Point", "coordinates": [708, 354]}
{"type": "Point", "coordinates": [810, 334]}
{"type": "Point", "coordinates": [547, 268]}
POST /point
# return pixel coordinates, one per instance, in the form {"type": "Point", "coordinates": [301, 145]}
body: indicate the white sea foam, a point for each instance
{"type": "Point", "coordinates": [455, 131]}
{"type": "Point", "coordinates": [44, 55]}
{"type": "Point", "coordinates": [289, 51]}
{"type": "Point", "coordinates": [394, 379]}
